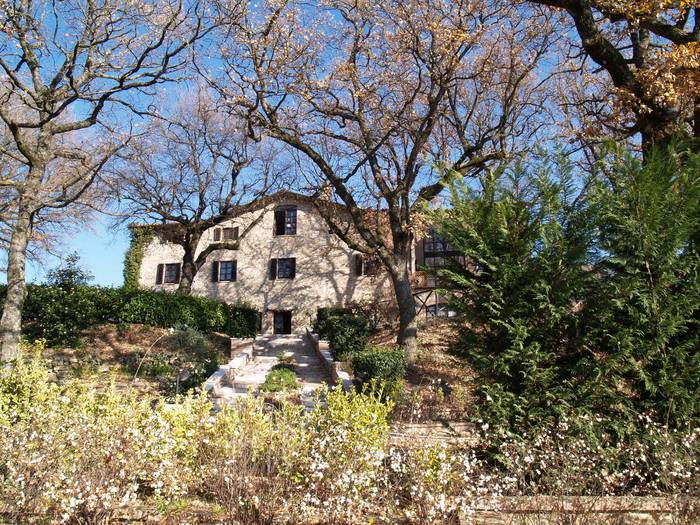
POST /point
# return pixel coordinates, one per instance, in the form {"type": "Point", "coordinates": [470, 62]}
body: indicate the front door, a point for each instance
{"type": "Point", "coordinates": [282, 322]}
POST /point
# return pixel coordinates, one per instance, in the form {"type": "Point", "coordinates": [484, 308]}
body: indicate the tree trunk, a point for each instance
{"type": "Point", "coordinates": [408, 328]}
{"type": "Point", "coordinates": [189, 270]}
{"type": "Point", "coordinates": [11, 321]}
{"type": "Point", "coordinates": [696, 119]}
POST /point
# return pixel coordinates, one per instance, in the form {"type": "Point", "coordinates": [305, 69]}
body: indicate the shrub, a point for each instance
{"type": "Point", "coordinates": [652, 459]}
{"type": "Point", "coordinates": [382, 365]}
{"type": "Point", "coordinates": [350, 335]}
{"type": "Point", "coordinates": [378, 313]}
{"type": "Point", "coordinates": [70, 454]}
{"type": "Point", "coordinates": [24, 384]}
{"type": "Point", "coordinates": [344, 447]}
{"type": "Point", "coordinates": [582, 290]}
{"type": "Point", "coordinates": [347, 333]}
{"type": "Point", "coordinates": [241, 321]}
{"type": "Point", "coordinates": [169, 309]}
{"type": "Point", "coordinates": [60, 313]}
{"type": "Point", "coordinates": [184, 350]}
{"type": "Point", "coordinates": [69, 274]}
{"type": "Point", "coordinates": [642, 317]}
{"type": "Point", "coordinates": [206, 315]}
{"type": "Point", "coordinates": [280, 379]}
{"type": "Point", "coordinates": [325, 320]}
{"type": "Point", "coordinates": [77, 456]}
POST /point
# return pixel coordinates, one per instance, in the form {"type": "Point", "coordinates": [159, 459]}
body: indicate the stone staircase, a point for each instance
{"type": "Point", "coordinates": [254, 358]}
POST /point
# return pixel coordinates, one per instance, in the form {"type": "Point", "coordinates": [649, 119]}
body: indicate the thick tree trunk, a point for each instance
{"type": "Point", "coordinates": [11, 321]}
{"type": "Point", "coordinates": [189, 271]}
{"type": "Point", "coordinates": [408, 329]}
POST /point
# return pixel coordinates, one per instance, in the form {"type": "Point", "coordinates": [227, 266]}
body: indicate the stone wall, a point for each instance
{"type": "Point", "coordinates": [333, 367]}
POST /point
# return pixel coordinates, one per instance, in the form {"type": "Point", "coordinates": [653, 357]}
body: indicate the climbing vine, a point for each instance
{"type": "Point", "coordinates": [140, 237]}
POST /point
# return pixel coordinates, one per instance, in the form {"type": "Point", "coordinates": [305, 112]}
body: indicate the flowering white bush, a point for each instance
{"type": "Point", "coordinates": [344, 450]}
{"type": "Point", "coordinates": [576, 458]}
{"type": "Point", "coordinates": [70, 454]}
{"type": "Point", "coordinates": [79, 455]}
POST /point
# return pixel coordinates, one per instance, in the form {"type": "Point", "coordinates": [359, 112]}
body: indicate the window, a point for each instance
{"type": "Point", "coordinates": [223, 271]}
{"type": "Point", "coordinates": [168, 273]}
{"type": "Point", "coordinates": [230, 234]}
{"type": "Point", "coordinates": [227, 234]}
{"type": "Point", "coordinates": [286, 220]}
{"type": "Point", "coordinates": [438, 253]}
{"type": "Point", "coordinates": [283, 268]}
{"type": "Point", "coordinates": [367, 264]}
{"type": "Point", "coordinates": [172, 273]}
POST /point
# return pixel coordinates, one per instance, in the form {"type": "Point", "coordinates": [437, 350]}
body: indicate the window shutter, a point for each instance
{"type": "Point", "coordinates": [358, 264]}
{"type": "Point", "coordinates": [420, 253]}
{"type": "Point", "coordinates": [159, 274]}
{"type": "Point", "coordinates": [215, 272]}
{"type": "Point", "coordinates": [217, 234]}
{"type": "Point", "coordinates": [235, 234]}
{"type": "Point", "coordinates": [374, 266]}
{"type": "Point", "coordinates": [279, 222]}
{"type": "Point", "coordinates": [177, 273]}
{"type": "Point", "coordinates": [294, 268]}
{"type": "Point", "coordinates": [234, 272]}
{"type": "Point", "coordinates": [273, 269]}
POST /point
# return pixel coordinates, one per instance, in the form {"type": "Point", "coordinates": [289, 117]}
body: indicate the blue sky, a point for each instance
{"type": "Point", "coordinates": [100, 248]}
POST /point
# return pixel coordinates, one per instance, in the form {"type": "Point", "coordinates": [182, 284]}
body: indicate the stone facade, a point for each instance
{"type": "Point", "coordinates": [325, 266]}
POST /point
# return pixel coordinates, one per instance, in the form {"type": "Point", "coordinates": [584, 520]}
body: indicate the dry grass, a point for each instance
{"type": "Point", "coordinates": [439, 386]}
{"type": "Point", "coordinates": [105, 350]}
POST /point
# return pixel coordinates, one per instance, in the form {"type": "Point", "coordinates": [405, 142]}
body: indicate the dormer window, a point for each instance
{"type": "Point", "coordinates": [230, 234]}
{"type": "Point", "coordinates": [226, 234]}
{"type": "Point", "coordinates": [286, 220]}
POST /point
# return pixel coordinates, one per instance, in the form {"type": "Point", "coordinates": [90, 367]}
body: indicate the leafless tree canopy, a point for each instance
{"type": "Point", "coordinates": [193, 167]}
{"type": "Point", "coordinates": [66, 67]}
{"type": "Point", "coordinates": [384, 103]}
{"type": "Point", "coordinates": [191, 164]}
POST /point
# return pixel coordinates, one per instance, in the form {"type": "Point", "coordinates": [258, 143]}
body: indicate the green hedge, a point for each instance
{"type": "Point", "coordinates": [280, 379]}
{"type": "Point", "coordinates": [347, 334]}
{"type": "Point", "coordinates": [59, 314]}
{"type": "Point", "coordinates": [380, 364]}
{"type": "Point", "coordinates": [325, 319]}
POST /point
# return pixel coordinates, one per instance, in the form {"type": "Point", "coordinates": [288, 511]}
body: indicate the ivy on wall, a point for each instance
{"type": "Point", "coordinates": [140, 237]}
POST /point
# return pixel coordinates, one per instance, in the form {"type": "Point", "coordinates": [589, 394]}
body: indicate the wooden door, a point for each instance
{"type": "Point", "coordinates": [282, 322]}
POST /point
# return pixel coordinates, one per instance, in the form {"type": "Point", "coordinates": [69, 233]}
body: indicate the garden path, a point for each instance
{"type": "Point", "coordinates": [266, 350]}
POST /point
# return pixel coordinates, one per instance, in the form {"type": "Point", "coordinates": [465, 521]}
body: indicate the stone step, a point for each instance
{"type": "Point", "coordinates": [264, 356]}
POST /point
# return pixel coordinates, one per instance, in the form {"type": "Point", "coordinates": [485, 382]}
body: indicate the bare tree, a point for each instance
{"type": "Point", "coordinates": [50, 224]}
{"type": "Point", "coordinates": [189, 173]}
{"type": "Point", "coordinates": [649, 54]}
{"type": "Point", "coordinates": [384, 103]}
{"type": "Point", "coordinates": [63, 67]}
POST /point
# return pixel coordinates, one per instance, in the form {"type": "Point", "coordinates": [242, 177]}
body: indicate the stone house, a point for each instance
{"type": "Point", "coordinates": [288, 264]}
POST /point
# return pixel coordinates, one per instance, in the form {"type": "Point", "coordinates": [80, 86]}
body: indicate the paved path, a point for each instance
{"type": "Point", "coordinates": [267, 348]}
